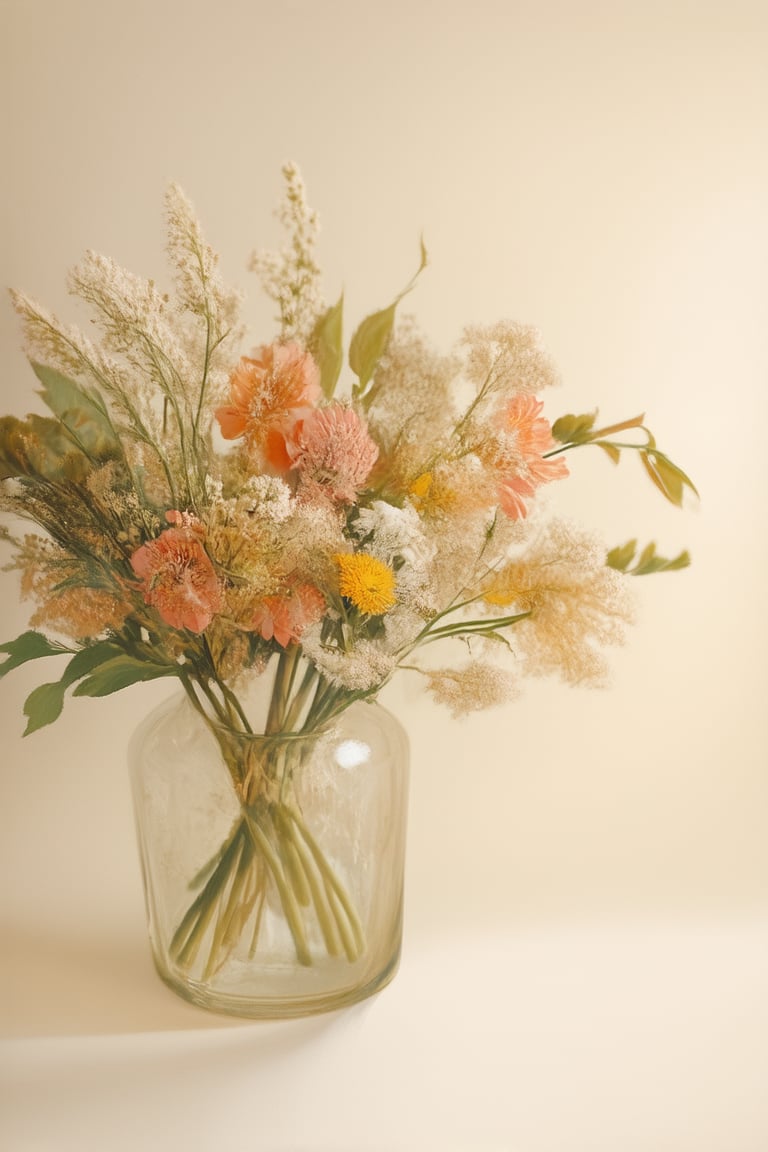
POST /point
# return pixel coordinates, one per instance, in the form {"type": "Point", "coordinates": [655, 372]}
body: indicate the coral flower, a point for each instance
{"type": "Point", "coordinates": [268, 393]}
{"type": "Point", "coordinates": [178, 577]}
{"type": "Point", "coordinates": [513, 492]}
{"type": "Point", "coordinates": [333, 452]}
{"type": "Point", "coordinates": [367, 582]}
{"type": "Point", "coordinates": [533, 437]}
{"type": "Point", "coordinates": [285, 617]}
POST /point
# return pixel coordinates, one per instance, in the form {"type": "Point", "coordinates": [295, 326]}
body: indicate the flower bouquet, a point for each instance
{"type": "Point", "coordinates": [273, 519]}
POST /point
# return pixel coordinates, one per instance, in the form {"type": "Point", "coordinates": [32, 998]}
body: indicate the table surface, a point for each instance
{"type": "Point", "coordinates": [585, 964]}
{"type": "Point", "coordinates": [615, 1034]}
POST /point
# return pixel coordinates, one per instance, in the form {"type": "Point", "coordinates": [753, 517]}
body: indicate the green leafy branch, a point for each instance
{"type": "Point", "coordinates": [97, 669]}
{"type": "Point", "coordinates": [81, 434]}
{"type": "Point", "coordinates": [622, 557]}
{"type": "Point", "coordinates": [29, 646]}
{"type": "Point", "coordinates": [462, 628]}
{"type": "Point", "coordinates": [367, 346]}
{"type": "Point", "coordinates": [575, 431]}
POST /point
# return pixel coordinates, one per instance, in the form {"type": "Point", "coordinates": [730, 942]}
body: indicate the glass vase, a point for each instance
{"type": "Point", "coordinates": [283, 895]}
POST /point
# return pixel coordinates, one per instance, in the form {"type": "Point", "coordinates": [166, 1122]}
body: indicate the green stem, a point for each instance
{"type": "Point", "coordinates": [239, 871]}
{"type": "Point", "coordinates": [292, 863]}
{"type": "Point", "coordinates": [204, 687]}
{"type": "Point", "coordinates": [233, 701]}
{"type": "Point", "coordinates": [311, 675]}
{"type": "Point", "coordinates": [354, 944]}
{"type": "Point", "coordinates": [254, 890]}
{"type": "Point", "coordinates": [188, 936]}
{"type": "Point", "coordinates": [477, 400]}
{"type": "Point", "coordinates": [286, 670]}
{"type": "Point", "coordinates": [270, 842]}
{"type": "Point", "coordinates": [234, 707]}
{"type": "Point", "coordinates": [598, 441]}
{"type": "Point", "coordinates": [261, 897]}
{"type": "Point", "coordinates": [287, 897]}
{"type": "Point", "coordinates": [312, 718]}
{"type": "Point", "coordinates": [206, 366]}
{"type": "Point", "coordinates": [474, 627]}
{"type": "Point", "coordinates": [309, 877]}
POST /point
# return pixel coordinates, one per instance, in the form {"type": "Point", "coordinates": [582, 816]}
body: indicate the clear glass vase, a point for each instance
{"type": "Point", "coordinates": [281, 896]}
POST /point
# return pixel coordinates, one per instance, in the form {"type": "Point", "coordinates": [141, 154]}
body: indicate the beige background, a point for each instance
{"type": "Point", "coordinates": [588, 872]}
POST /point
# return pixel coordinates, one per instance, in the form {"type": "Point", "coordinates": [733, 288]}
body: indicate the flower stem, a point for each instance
{"type": "Point", "coordinates": [309, 877]}
{"type": "Point", "coordinates": [188, 936]}
{"type": "Point", "coordinates": [353, 937]}
{"type": "Point", "coordinates": [287, 896]}
{"type": "Point", "coordinates": [270, 842]}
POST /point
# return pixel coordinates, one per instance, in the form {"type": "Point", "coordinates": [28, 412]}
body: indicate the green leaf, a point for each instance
{"type": "Point", "coordinates": [573, 429]}
{"type": "Point", "coordinates": [62, 394]}
{"type": "Point", "coordinates": [610, 449]}
{"type": "Point", "coordinates": [495, 638]}
{"type": "Point", "coordinates": [683, 560]}
{"type": "Point", "coordinates": [648, 561]}
{"type": "Point", "coordinates": [371, 337]}
{"type": "Point", "coordinates": [670, 486]}
{"type": "Point", "coordinates": [29, 646]}
{"type": "Point", "coordinates": [424, 256]}
{"type": "Point", "coordinates": [646, 556]}
{"type": "Point", "coordinates": [483, 627]}
{"type": "Point", "coordinates": [668, 478]}
{"type": "Point", "coordinates": [327, 348]}
{"type": "Point", "coordinates": [368, 344]}
{"type": "Point", "coordinates": [39, 447]}
{"type": "Point", "coordinates": [121, 672]}
{"type": "Point", "coordinates": [84, 414]}
{"type": "Point", "coordinates": [45, 704]}
{"type": "Point", "coordinates": [622, 556]}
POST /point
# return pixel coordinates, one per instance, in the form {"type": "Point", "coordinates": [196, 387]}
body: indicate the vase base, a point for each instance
{"type": "Point", "coordinates": [276, 1007]}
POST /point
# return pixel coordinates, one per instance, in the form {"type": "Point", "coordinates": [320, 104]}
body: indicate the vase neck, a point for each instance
{"type": "Point", "coordinates": [288, 698]}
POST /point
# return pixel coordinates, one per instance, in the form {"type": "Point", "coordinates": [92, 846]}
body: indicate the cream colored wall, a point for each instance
{"type": "Point", "coordinates": [597, 169]}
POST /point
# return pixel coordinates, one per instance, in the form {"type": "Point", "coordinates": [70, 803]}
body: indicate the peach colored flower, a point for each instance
{"type": "Point", "coordinates": [186, 520]}
{"type": "Point", "coordinates": [513, 491]}
{"type": "Point", "coordinates": [332, 452]}
{"type": "Point", "coordinates": [268, 393]}
{"type": "Point", "coordinates": [533, 437]}
{"type": "Point", "coordinates": [178, 577]}
{"type": "Point", "coordinates": [285, 617]}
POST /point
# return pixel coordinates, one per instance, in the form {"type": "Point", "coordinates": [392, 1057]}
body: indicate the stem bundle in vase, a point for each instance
{"type": "Point", "coordinates": [270, 844]}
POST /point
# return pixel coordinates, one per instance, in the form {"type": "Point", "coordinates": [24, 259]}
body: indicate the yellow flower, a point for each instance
{"type": "Point", "coordinates": [499, 598]}
{"type": "Point", "coordinates": [367, 582]}
{"type": "Point", "coordinates": [511, 587]}
{"type": "Point", "coordinates": [421, 485]}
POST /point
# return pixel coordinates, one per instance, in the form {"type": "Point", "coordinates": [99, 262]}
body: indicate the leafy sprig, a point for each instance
{"type": "Point", "coordinates": [574, 431]}
{"type": "Point", "coordinates": [621, 558]}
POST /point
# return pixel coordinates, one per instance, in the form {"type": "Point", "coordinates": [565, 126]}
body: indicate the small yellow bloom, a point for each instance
{"type": "Point", "coordinates": [505, 589]}
{"type": "Point", "coordinates": [515, 587]}
{"type": "Point", "coordinates": [367, 582]}
{"type": "Point", "coordinates": [500, 598]}
{"type": "Point", "coordinates": [421, 485]}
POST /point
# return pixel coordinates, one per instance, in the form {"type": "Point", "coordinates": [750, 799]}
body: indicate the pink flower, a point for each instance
{"type": "Point", "coordinates": [513, 492]}
{"type": "Point", "coordinates": [186, 520]}
{"type": "Point", "coordinates": [285, 617]}
{"type": "Point", "coordinates": [332, 452]}
{"type": "Point", "coordinates": [533, 437]}
{"type": "Point", "coordinates": [268, 393]}
{"type": "Point", "coordinates": [177, 575]}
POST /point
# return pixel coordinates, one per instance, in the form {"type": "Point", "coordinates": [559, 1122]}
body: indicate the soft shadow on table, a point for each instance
{"type": "Point", "coordinates": [56, 986]}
